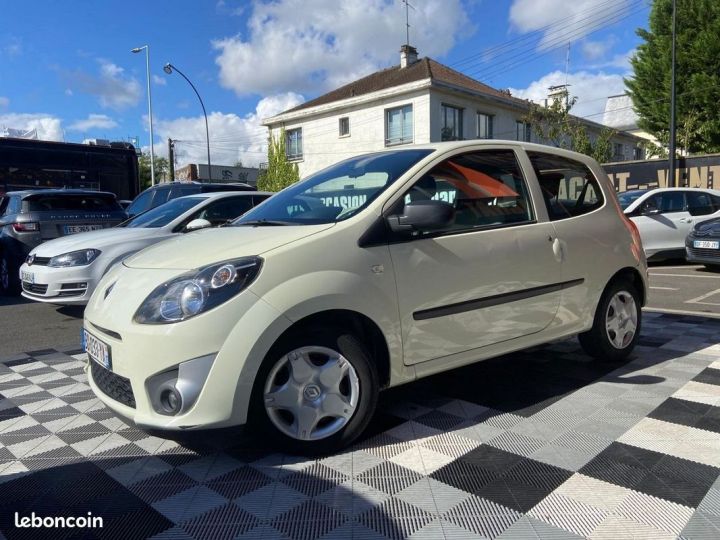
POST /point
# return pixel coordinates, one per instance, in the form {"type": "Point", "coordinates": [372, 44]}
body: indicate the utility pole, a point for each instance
{"type": "Point", "coordinates": [672, 181]}
{"type": "Point", "coordinates": [171, 158]}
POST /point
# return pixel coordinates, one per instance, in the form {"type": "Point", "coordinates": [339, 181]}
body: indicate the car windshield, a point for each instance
{"type": "Point", "coordinates": [629, 197]}
{"type": "Point", "coordinates": [163, 214]}
{"type": "Point", "coordinates": [336, 193]}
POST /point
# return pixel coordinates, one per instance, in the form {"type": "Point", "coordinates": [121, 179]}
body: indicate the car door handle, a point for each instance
{"type": "Point", "coordinates": [685, 220]}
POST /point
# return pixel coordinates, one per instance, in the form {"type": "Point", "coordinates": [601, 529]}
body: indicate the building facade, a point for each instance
{"type": "Point", "coordinates": [419, 101]}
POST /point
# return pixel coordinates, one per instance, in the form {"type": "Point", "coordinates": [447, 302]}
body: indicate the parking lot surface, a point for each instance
{"type": "Point", "coordinates": [684, 289]}
{"type": "Point", "coordinates": [538, 444]}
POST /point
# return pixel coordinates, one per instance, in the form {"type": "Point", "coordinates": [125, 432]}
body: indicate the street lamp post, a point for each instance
{"type": "Point", "coordinates": [169, 69]}
{"type": "Point", "coordinates": [152, 145]}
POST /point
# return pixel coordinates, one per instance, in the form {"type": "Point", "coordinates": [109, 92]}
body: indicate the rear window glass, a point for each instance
{"type": "Point", "coordinates": [87, 203]}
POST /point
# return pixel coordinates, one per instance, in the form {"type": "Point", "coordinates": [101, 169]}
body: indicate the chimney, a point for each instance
{"type": "Point", "coordinates": [408, 55]}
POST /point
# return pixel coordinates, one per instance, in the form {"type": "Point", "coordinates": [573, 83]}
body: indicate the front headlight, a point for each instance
{"type": "Point", "coordinates": [197, 291]}
{"type": "Point", "coordinates": [74, 258]}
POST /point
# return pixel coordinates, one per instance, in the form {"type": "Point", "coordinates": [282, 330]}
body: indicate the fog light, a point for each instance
{"type": "Point", "coordinates": [170, 400]}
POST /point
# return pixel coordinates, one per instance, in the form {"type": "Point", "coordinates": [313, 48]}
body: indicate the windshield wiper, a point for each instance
{"type": "Point", "coordinates": [264, 223]}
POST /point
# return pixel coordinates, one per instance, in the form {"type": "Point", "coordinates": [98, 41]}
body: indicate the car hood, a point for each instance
{"type": "Point", "coordinates": [708, 228]}
{"type": "Point", "coordinates": [95, 240]}
{"type": "Point", "coordinates": [198, 249]}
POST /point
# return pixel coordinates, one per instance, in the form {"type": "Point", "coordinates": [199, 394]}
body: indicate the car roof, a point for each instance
{"type": "Point", "coordinates": [200, 184]}
{"type": "Point", "coordinates": [59, 191]}
{"type": "Point", "coordinates": [222, 195]}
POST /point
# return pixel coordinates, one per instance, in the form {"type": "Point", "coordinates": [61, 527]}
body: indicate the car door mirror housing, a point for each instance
{"type": "Point", "coordinates": [423, 215]}
{"type": "Point", "coordinates": [650, 211]}
{"type": "Point", "coordinates": [197, 224]}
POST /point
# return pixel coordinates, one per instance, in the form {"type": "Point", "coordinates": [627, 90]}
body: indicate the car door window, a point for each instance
{"type": "Point", "coordinates": [699, 203]}
{"type": "Point", "coordinates": [568, 186]}
{"type": "Point", "coordinates": [224, 210]}
{"type": "Point", "coordinates": [669, 201]}
{"type": "Point", "coordinates": [486, 189]}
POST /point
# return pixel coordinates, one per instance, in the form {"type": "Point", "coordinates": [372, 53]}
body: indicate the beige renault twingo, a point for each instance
{"type": "Point", "coordinates": [372, 273]}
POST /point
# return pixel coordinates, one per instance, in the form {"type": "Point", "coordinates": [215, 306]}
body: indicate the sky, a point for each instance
{"type": "Point", "coordinates": [66, 68]}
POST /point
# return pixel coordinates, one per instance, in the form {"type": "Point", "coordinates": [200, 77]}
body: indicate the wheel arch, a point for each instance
{"type": "Point", "coordinates": [633, 276]}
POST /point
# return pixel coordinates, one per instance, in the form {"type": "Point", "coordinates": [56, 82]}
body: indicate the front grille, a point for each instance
{"type": "Point", "coordinates": [704, 253]}
{"type": "Point", "coordinates": [112, 385]}
{"type": "Point", "coordinates": [34, 288]}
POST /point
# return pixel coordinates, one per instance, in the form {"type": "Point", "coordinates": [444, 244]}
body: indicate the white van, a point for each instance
{"type": "Point", "coordinates": [372, 273]}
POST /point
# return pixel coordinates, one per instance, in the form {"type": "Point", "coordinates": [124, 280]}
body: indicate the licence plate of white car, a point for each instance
{"type": "Point", "coordinates": [27, 277]}
{"type": "Point", "coordinates": [73, 229]}
{"type": "Point", "coordinates": [706, 244]}
{"type": "Point", "coordinates": [97, 350]}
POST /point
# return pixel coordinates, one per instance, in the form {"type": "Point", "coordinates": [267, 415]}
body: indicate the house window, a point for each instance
{"type": "Point", "coordinates": [523, 131]}
{"type": "Point", "coordinates": [638, 153]}
{"type": "Point", "coordinates": [293, 144]}
{"type": "Point", "coordinates": [344, 126]}
{"type": "Point", "coordinates": [452, 126]}
{"type": "Point", "coordinates": [484, 126]}
{"type": "Point", "coordinates": [619, 151]}
{"type": "Point", "coordinates": [399, 125]}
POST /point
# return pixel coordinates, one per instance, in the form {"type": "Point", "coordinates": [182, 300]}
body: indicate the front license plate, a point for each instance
{"type": "Point", "coordinates": [706, 244]}
{"type": "Point", "coordinates": [73, 229]}
{"type": "Point", "coordinates": [27, 277]}
{"type": "Point", "coordinates": [97, 350]}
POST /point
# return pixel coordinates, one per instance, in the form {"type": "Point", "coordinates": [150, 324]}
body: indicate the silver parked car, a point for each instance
{"type": "Point", "coordinates": [29, 218]}
{"type": "Point", "coordinates": [665, 216]}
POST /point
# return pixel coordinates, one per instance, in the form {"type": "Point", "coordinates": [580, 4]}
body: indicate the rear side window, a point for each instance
{"type": "Point", "coordinates": [700, 203]}
{"type": "Point", "coordinates": [82, 203]}
{"type": "Point", "coordinates": [569, 187]}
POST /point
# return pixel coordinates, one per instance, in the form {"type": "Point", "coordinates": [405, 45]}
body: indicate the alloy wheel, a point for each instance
{"type": "Point", "coordinates": [621, 319]}
{"type": "Point", "coordinates": [311, 393]}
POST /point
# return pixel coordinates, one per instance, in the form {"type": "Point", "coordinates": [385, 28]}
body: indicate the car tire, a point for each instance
{"type": "Point", "coordinates": [308, 377]}
{"type": "Point", "coordinates": [713, 267]}
{"type": "Point", "coordinates": [9, 280]}
{"type": "Point", "coordinates": [617, 323]}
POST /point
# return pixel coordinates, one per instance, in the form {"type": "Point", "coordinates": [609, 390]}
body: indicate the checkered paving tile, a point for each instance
{"type": "Point", "coordinates": [539, 444]}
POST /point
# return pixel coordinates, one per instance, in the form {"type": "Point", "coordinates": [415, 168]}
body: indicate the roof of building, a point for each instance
{"type": "Point", "coordinates": [424, 68]}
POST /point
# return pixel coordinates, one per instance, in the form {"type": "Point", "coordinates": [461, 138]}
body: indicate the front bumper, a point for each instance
{"type": "Point", "coordinates": [238, 332]}
{"type": "Point", "coordinates": [701, 255]}
{"type": "Point", "coordinates": [73, 285]}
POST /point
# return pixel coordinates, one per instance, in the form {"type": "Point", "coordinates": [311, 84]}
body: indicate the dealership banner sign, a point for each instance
{"type": "Point", "coordinates": [696, 171]}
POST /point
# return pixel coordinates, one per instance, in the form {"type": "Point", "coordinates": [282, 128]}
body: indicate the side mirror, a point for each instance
{"type": "Point", "coordinates": [650, 211]}
{"type": "Point", "coordinates": [197, 224]}
{"type": "Point", "coordinates": [423, 215]}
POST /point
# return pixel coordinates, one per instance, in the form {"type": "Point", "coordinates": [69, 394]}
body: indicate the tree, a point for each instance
{"type": "Point", "coordinates": [556, 125]}
{"type": "Point", "coordinates": [280, 173]}
{"type": "Point", "coordinates": [697, 74]}
{"type": "Point", "coordinates": [162, 166]}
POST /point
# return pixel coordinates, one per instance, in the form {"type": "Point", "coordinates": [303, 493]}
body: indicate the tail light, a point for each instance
{"type": "Point", "coordinates": [28, 226]}
{"type": "Point", "coordinates": [636, 247]}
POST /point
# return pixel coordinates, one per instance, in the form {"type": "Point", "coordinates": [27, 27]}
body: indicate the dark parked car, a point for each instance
{"type": "Point", "coordinates": [703, 244]}
{"type": "Point", "coordinates": [161, 193]}
{"type": "Point", "coordinates": [29, 218]}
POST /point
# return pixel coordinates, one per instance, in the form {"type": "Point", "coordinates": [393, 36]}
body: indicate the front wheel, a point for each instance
{"type": "Point", "coordinates": [316, 393]}
{"type": "Point", "coordinates": [616, 327]}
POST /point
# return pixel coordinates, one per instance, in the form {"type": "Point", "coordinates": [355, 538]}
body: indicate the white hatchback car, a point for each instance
{"type": "Point", "coordinates": [66, 270]}
{"type": "Point", "coordinates": [665, 216]}
{"type": "Point", "coordinates": [372, 273]}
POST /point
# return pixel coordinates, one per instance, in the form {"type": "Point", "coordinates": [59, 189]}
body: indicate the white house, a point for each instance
{"type": "Point", "coordinates": [419, 101]}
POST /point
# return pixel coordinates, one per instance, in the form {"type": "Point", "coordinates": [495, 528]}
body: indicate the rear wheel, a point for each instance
{"type": "Point", "coordinates": [616, 327]}
{"type": "Point", "coordinates": [9, 281]}
{"type": "Point", "coordinates": [315, 392]}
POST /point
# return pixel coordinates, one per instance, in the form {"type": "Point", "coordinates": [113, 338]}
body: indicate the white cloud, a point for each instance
{"type": "Point", "coordinates": [570, 21]}
{"type": "Point", "coordinates": [232, 137]}
{"type": "Point", "coordinates": [111, 87]}
{"type": "Point", "coordinates": [313, 45]}
{"type": "Point", "coordinates": [49, 128]}
{"type": "Point", "coordinates": [160, 81]}
{"type": "Point", "coordinates": [93, 121]}
{"type": "Point", "coordinates": [4, 102]}
{"type": "Point", "coordinates": [591, 89]}
{"type": "Point", "coordinates": [596, 50]}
